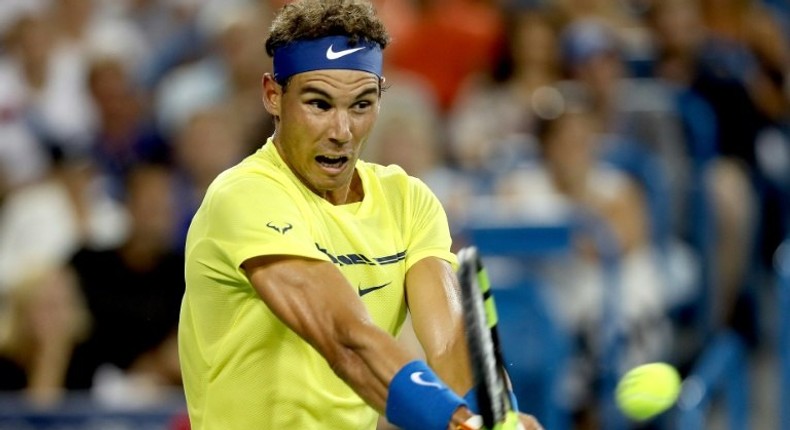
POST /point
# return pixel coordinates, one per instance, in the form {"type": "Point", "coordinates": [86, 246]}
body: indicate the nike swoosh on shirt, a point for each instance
{"type": "Point", "coordinates": [363, 291]}
{"type": "Point", "coordinates": [332, 55]}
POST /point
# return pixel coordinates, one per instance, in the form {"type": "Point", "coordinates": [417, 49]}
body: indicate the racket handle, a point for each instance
{"type": "Point", "coordinates": [511, 422]}
{"type": "Point", "coordinates": [476, 422]}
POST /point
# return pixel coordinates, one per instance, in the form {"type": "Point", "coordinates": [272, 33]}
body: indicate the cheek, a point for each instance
{"type": "Point", "coordinates": [363, 124]}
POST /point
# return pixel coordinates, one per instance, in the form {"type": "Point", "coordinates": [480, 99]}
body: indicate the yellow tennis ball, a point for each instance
{"type": "Point", "coordinates": [647, 390]}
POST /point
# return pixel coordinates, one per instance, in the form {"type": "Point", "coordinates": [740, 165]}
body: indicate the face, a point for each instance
{"type": "Point", "coordinates": [535, 43]}
{"type": "Point", "coordinates": [569, 149]}
{"type": "Point", "coordinates": [325, 117]}
{"type": "Point", "coordinates": [152, 204]}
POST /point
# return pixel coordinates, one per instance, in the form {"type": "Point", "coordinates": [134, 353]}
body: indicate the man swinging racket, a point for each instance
{"type": "Point", "coordinates": [303, 261]}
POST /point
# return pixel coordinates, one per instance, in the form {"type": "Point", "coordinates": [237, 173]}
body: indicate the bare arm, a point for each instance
{"type": "Point", "coordinates": [314, 300]}
{"type": "Point", "coordinates": [435, 305]}
{"type": "Point", "coordinates": [434, 299]}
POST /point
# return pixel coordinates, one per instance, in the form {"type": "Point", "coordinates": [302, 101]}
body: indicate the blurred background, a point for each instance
{"type": "Point", "coordinates": [624, 165]}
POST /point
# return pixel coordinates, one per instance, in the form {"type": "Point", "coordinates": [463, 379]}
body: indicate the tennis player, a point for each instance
{"type": "Point", "coordinates": [303, 261]}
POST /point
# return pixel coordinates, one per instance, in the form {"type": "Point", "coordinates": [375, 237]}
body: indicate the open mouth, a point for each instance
{"type": "Point", "coordinates": [331, 161]}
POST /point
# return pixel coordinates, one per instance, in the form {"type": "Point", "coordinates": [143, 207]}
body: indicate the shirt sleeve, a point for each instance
{"type": "Point", "coordinates": [428, 233]}
{"type": "Point", "coordinates": [254, 217]}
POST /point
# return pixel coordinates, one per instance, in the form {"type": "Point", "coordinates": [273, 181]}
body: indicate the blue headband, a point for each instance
{"type": "Point", "coordinates": [331, 52]}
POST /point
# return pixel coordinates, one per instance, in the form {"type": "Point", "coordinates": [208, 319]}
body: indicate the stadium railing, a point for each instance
{"type": "Point", "coordinates": [83, 411]}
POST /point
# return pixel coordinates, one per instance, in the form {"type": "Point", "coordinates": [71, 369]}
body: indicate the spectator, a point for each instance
{"type": "Point", "coordinates": [22, 157]}
{"type": "Point", "coordinates": [208, 143]}
{"type": "Point", "coordinates": [569, 177]}
{"type": "Point", "coordinates": [743, 62]}
{"type": "Point", "coordinates": [641, 112]}
{"type": "Point", "coordinates": [44, 320]}
{"type": "Point", "coordinates": [493, 111]}
{"type": "Point", "coordinates": [229, 74]}
{"type": "Point", "coordinates": [133, 293]}
{"type": "Point", "coordinates": [46, 222]}
{"type": "Point", "coordinates": [126, 135]}
{"type": "Point", "coordinates": [742, 72]}
{"type": "Point", "coordinates": [643, 136]}
{"type": "Point", "coordinates": [625, 18]}
{"type": "Point", "coordinates": [50, 81]}
{"type": "Point", "coordinates": [451, 40]}
{"type": "Point", "coordinates": [682, 40]}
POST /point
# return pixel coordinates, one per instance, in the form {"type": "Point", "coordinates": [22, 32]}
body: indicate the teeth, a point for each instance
{"type": "Point", "coordinates": [331, 160]}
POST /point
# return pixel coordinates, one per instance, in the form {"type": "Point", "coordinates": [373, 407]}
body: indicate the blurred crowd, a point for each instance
{"type": "Point", "coordinates": [665, 120]}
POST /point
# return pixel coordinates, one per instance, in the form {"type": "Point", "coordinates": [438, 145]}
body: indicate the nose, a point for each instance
{"type": "Point", "coordinates": [340, 132]}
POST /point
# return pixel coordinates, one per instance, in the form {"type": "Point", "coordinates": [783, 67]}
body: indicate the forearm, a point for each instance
{"type": "Point", "coordinates": [368, 371]}
{"type": "Point", "coordinates": [437, 318]}
{"type": "Point", "coordinates": [452, 363]}
{"type": "Point", "coordinates": [47, 372]}
{"type": "Point", "coordinates": [336, 324]}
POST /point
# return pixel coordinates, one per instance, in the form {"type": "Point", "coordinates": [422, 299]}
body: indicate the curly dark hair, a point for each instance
{"type": "Point", "coordinates": [313, 19]}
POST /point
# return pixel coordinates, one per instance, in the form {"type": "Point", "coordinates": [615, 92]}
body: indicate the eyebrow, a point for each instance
{"type": "Point", "coordinates": [315, 90]}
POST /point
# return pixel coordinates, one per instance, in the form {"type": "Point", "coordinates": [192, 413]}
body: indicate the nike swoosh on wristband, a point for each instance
{"type": "Point", "coordinates": [363, 291]}
{"type": "Point", "coordinates": [416, 377]}
{"type": "Point", "coordinates": [332, 55]}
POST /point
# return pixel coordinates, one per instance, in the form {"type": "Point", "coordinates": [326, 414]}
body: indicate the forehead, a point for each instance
{"type": "Point", "coordinates": [334, 82]}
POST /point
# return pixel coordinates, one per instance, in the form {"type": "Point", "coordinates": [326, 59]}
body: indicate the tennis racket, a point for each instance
{"type": "Point", "coordinates": [480, 319]}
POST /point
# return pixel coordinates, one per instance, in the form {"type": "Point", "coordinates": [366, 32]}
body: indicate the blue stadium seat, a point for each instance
{"type": "Point", "coordinates": [782, 264]}
{"type": "Point", "coordinates": [535, 346]}
{"type": "Point", "coordinates": [720, 372]}
{"type": "Point", "coordinates": [535, 349]}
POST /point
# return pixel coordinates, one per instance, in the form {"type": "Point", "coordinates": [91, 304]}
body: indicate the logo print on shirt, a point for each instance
{"type": "Point", "coordinates": [416, 377]}
{"type": "Point", "coordinates": [332, 55]}
{"type": "Point", "coordinates": [363, 291]}
{"type": "Point", "coordinates": [281, 230]}
{"type": "Point", "coordinates": [353, 259]}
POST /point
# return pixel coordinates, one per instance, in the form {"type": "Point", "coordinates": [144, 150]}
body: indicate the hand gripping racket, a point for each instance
{"type": "Point", "coordinates": [480, 319]}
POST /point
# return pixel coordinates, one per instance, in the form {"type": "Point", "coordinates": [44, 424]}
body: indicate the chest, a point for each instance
{"type": "Point", "coordinates": [370, 250]}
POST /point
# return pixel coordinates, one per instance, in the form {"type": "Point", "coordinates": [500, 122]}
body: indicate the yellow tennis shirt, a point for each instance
{"type": "Point", "coordinates": [243, 368]}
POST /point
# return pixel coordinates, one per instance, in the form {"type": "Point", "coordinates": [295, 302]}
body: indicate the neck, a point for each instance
{"type": "Point", "coordinates": [351, 194]}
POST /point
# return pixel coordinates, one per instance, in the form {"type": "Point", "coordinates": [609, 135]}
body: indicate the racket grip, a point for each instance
{"type": "Point", "coordinates": [476, 422]}
{"type": "Point", "coordinates": [511, 422]}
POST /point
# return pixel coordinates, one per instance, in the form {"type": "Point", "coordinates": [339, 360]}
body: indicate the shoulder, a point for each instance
{"type": "Point", "coordinates": [396, 186]}
{"type": "Point", "coordinates": [389, 176]}
{"type": "Point", "coordinates": [255, 175]}
{"type": "Point", "coordinates": [615, 187]}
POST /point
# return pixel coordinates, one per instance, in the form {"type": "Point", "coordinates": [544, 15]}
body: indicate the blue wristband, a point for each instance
{"type": "Point", "coordinates": [418, 400]}
{"type": "Point", "coordinates": [471, 400]}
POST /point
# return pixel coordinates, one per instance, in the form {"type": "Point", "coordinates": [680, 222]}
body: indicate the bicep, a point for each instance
{"type": "Point", "coordinates": [310, 296]}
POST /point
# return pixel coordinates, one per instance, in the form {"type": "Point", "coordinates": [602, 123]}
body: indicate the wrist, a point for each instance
{"type": "Point", "coordinates": [417, 399]}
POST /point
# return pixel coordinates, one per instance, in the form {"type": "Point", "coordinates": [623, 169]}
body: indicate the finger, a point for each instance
{"type": "Point", "coordinates": [528, 422]}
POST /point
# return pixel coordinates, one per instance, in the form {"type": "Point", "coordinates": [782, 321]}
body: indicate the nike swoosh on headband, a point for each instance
{"type": "Point", "coordinates": [332, 55]}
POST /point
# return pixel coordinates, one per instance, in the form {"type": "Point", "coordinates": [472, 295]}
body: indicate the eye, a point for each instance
{"type": "Point", "coordinates": [363, 105]}
{"type": "Point", "coordinates": [319, 104]}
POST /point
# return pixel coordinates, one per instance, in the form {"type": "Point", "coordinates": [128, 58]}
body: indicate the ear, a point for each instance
{"type": "Point", "coordinates": [272, 94]}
